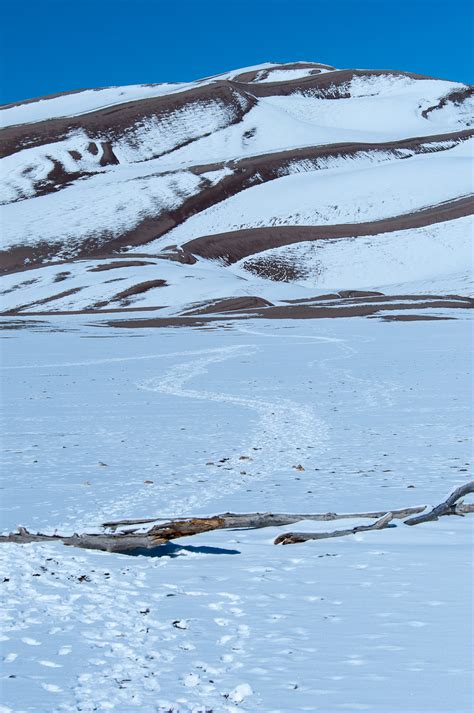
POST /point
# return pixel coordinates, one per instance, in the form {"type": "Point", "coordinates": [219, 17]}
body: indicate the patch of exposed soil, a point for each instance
{"type": "Point", "coordinates": [303, 311]}
{"type": "Point", "coordinates": [413, 318]}
{"type": "Point", "coordinates": [124, 296]}
{"type": "Point", "coordinates": [456, 97]}
{"type": "Point", "coordinates": [61, 276]}
{"type": "Point", "coordinates": [46, 300]}
{"type": "Point", "coordinates": [238, 244]}
{"type": "Point", "coordinates": [231, 304]}
{"type": "Point", "coordinates": [117, 264]}
{"type": "Point", "coordinates": [278, 269]}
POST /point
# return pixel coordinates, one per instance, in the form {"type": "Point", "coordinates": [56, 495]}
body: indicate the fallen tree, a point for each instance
{"type": "Point", "coordinates": [129, 535]}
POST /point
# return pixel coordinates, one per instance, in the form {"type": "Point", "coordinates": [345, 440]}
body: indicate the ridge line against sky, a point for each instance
{"type": "Point", "coordinates": [50, 46]}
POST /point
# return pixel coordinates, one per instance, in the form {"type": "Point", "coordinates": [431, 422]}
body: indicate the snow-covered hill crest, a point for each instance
{"type": "Point", "coordinates": [256, 168]}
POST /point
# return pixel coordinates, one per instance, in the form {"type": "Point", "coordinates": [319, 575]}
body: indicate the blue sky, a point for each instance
{"type": "Point", "coordinates": [56, 45]}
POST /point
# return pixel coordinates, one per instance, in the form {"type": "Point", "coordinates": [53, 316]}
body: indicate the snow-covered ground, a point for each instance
{"type": "Point", "coordinates": [102, 423]}
{"type": "Point", "coordinates": [106, 196]}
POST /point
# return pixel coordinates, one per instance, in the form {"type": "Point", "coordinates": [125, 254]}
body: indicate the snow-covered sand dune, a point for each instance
{"type": "Point", "coordinates": [309, 230]}
{"type": "Point", "coordinates": [295, 151]}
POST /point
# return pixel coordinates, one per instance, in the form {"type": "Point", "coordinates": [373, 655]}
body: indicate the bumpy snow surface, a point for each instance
{"type": "Point", "coordinates": [147, 422]}
{"type": "Point", "coordinates": [249, 293]}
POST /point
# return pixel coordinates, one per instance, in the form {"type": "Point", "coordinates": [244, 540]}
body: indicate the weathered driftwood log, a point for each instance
{"type": "Point", "coordinates": [292, 538]}
{"type": "Point", "coordinates": [233, 520]}
{"type": "Point", "coordinates": [120, 542]}
{"type": "Point", "coordinates": [134, 538]}
{"type": "Point", "coordinates": [451, 506]}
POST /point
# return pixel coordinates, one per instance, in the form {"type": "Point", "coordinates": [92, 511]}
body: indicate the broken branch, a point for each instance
{"type": "Point", "coordinates": [450, 506]}
{"type": "Point", "coordinates": [292, 538]}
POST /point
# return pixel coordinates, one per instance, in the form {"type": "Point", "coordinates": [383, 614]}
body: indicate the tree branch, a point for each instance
{"type": "Point", "coordinates": [450, 506]}
{"type": "Point", "coordinates": [292, 538]}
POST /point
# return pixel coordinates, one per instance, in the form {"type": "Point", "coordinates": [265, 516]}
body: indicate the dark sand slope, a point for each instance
{"type": "Point", "coordinates": [113, 122]}
{"type": "Point", "coordinates": [245, 172]}
{"type": "Point", "coordinates": [234, 246]}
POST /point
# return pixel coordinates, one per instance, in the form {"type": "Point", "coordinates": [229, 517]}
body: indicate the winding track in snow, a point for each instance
{"type": "Point", "coordinates": [283, 427]}
{"type": "Point", "coordinates": [280, 428]}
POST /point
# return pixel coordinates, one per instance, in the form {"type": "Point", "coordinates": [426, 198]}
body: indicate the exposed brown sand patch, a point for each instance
{"type": "Point", "coordinates": [125, 295]}
{"type": "Point", "coordinates": [315, 312]}
{"type": "Point", "coordinates": [413, 318]}
{"type": "Point", "coordinates": [231, 304]}
{"type": "Point", "coordinates": [355, 296]}
{"type": "Point", "coordinates": [301, 311]}
{"type": "Point", "coordinates": [91, 310]}
{"type": "Point", "coordinates": [33, 254]}
{"type": "Point", "coordinates": [57, 179]}
{"type": "Point", "coordinates": [343, 294]}
{"type": "Point", "coordinates": [140, 289]}
{"type": "Point", "coordinates": [45, 300]}
{"type": "Point", "coordinates": [238, 244]}
{"type": "Point", "coordinates": [457, 96]}
{"type": "Point", "coordinates": [118, 264]}
{"type": "Point", "coordinates": [108, 157]}
{"type": "Point", "coordinates": [332, 85]}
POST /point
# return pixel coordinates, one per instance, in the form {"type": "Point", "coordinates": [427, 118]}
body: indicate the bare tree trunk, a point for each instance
{"type": "Point", "coordinates": [231, 520]}
{"type": "Point", "coordinates": [130, 537]}
{"type": "Point", "coordinates": [121, 542]}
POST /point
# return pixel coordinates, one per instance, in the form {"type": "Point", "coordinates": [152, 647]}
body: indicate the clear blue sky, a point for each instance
{"type": "Point", "coordinates": [51, 46]}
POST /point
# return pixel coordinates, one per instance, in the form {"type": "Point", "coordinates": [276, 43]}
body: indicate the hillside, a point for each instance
{"type": "Point", "coordinates": [276, 182]}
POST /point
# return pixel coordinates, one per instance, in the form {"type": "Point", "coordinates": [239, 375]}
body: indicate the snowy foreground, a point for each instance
{"type": "Point", "coordinates": [104, 423]}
